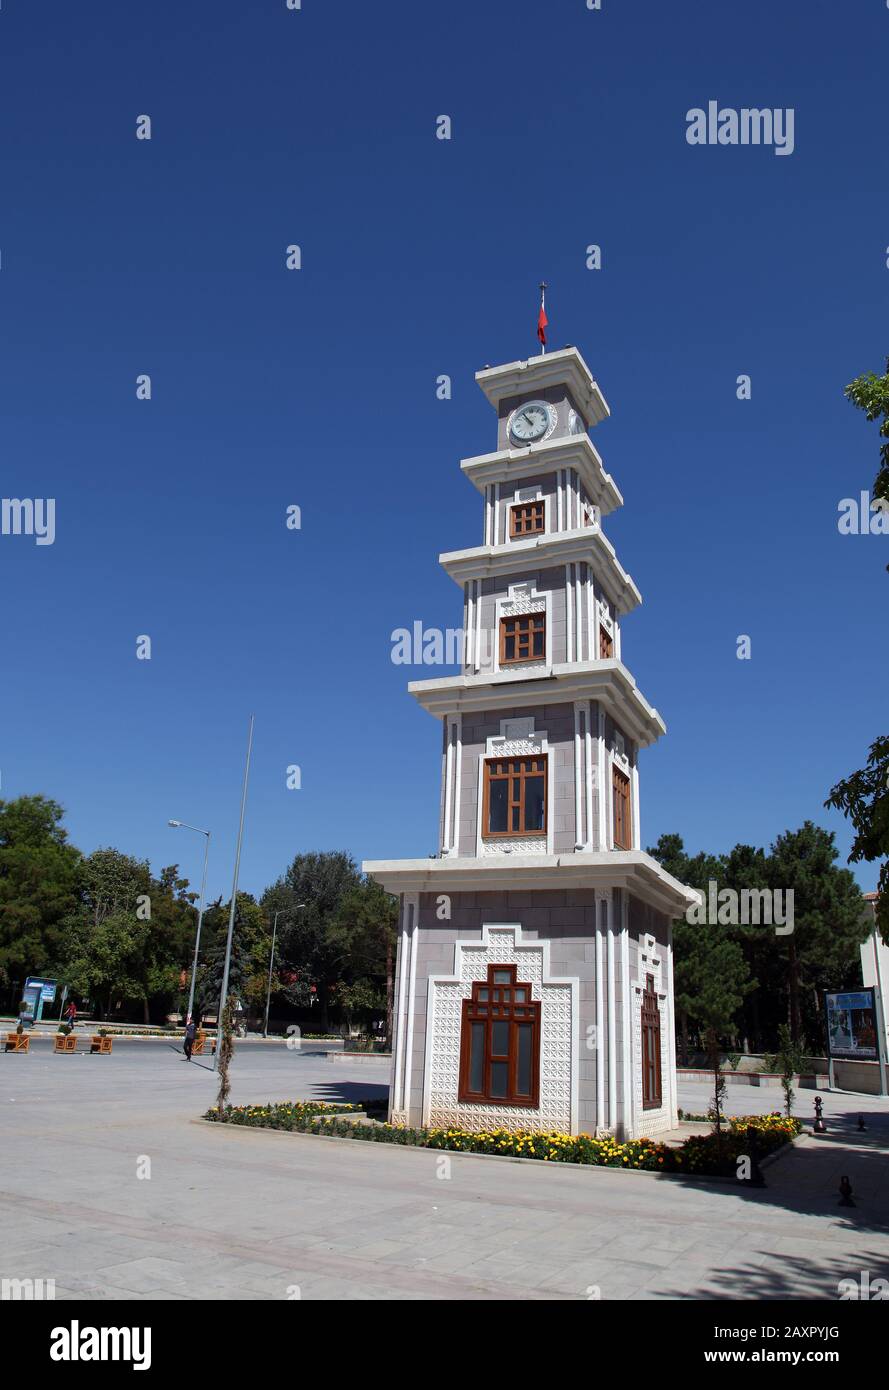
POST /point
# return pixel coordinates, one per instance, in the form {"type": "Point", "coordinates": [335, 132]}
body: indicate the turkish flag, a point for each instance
{"type": "Point", "coordinates": [542, 322]}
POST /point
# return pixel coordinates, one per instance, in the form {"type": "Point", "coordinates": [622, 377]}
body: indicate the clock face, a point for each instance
{"type": "Point", "coordinates": [530, 422]}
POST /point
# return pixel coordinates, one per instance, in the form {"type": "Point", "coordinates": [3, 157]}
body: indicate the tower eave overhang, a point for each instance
{"type": "Point", "coordinates": [565, 367]}
{"type": "Point", "coordinates": [588, 544]}
{"type": "Point", "coordinates": [563, 451]}
{"type": "Point", "coordinates": [632, 869]}
{"type": "Point", "coordinates": [608, 682]}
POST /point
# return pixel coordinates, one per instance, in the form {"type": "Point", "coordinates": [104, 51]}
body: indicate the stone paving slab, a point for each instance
{"type": "Point", "coordinates": [245, 1214]}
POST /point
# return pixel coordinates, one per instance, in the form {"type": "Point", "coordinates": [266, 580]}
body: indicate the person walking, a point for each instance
{"type": "Point", "coordinates": [71, 1014]}
{"type": "Point", "coordinates": [191, 1029]}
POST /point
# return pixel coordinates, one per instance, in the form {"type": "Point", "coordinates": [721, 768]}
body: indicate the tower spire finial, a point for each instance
{"type": "Point", "coordinates": [542, 320]}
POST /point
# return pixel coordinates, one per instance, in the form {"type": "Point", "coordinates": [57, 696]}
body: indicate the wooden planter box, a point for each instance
{"type": "Point", "coordinates": [200, 1042]}
{"type": "Point", "coordinates": [100, 1044]}
{"type": "Point", "coordinates": [18, 1042]}
{"type": "Point", "coordinates": [64, 1042]}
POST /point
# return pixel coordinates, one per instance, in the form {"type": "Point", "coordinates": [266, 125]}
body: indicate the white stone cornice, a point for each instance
{"type": "Point", "coordinates": [609, 682]}
{"type": "Point", "coordinates": [576, 451]}
{"type": "Point", "coordinates": [587, 545]}
{"type": "Point", "coordinates": [565, 367]}
{"type": "Point", "coordinates": [631, 869]}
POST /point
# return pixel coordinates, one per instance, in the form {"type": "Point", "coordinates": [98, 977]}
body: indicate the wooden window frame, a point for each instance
{"type": "Point", "coordinates": [515, 769]}
{"type": "Point", "coordinates": [521, 514]}
{"type": "Point", "coordinates": [513, 1013]}
{"type": "Point", "coordinates": [624, 822]}
{"type": "Point", "coordinates": [652, 1071]}
{"type": "Point", "coordinates": [536, 623]}
{"type": "Point", "coordinates": [605, 640]}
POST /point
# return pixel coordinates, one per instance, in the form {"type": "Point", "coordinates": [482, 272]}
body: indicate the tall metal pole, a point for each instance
{"type": "Point", "coordinates": [197, 939]}
{"type": "Point", "coordinates": [268, 997]}
{"type": "Point", "coordinates": [223, 998]}
{"type": "Point", "coordinates": [183, 825]}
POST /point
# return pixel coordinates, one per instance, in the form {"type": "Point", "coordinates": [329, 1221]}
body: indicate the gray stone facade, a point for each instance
{"type": "Point", "coordinates": [565, 897]}
{"type": "Point", "coordinates": [575, 926]}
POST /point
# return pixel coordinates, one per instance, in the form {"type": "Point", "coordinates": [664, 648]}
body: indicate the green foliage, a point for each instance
{"type": "Point", "coordinates": [711, 974]}
{"type": "Point", "coordinates": [341, 940]}
{"type": "Point", "coordinates": [870, 393]}
{"type": "Point", "coordinates": [38, 887]}
{"type": "Point", "coordinates": [747, 979]}
{"type": "Point", "coordinates": [829, 925]}
{"type": "Point", "coordinates": [129, 935]}
{"type": "Point", "coordinates": [864, 799]}
{"type": "Point", "coordinates": [251, 947]}
{"type": "Point", "coordinates": [790, 1060]}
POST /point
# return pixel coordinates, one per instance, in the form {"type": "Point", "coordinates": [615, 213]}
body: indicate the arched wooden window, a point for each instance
{"type": "Point", "coordinates": [500, 1042]}
{"type": "Point", "coordinates": [652, 1093]}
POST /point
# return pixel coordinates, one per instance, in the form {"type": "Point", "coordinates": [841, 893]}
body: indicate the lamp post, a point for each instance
{"type": "Point", "coordinates": [268, 997]}
{"type": "Point", "coordinates": [181, 825]}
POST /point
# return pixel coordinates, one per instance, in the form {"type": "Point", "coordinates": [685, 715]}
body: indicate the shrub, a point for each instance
{"type": "Point", "coordinates": [280, 1114]}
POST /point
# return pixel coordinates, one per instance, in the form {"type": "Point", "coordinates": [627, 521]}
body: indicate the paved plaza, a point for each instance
{"type": "Point", "coordinates": [235, 1213]}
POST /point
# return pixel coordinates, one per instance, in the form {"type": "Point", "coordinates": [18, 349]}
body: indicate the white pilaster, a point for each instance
{"type": "Point", "coordinates": [412, 902]}
{"type": "Point", "coordinates": [588, 780]}
{"type": "Point", "coordinates": [604, 791]}
{"type": "Point", "coordinates": [612, 1020]}
{"type": "Point", "coordinates": [626, 1080]}
{"type": "Point", "coordinates": [578, 776]}
{"type": "Point", "coordinates": [601, 919]}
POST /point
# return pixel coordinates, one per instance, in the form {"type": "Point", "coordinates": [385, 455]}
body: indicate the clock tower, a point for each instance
{"type": "Point", "coordinates": [534, 973]}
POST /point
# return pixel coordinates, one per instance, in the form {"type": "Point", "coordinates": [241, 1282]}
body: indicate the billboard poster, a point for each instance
{"type": "Point", "coordinates": [851, 1025]}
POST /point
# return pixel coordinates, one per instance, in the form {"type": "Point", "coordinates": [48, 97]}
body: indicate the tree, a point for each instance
{"type": "Point", "coordinates": [249, 963]}
{"type": "Point", "coordinates": [109, 948]}
{"type": "Point", "coordinates": [821, 952]}
{"type": "Point", "coordinates": [38, 887]}
{"type": "Point", "coordinates": [870, 393]}
{"type": "Point", "coordinates": [170, 942]}
{"type": "Point", "coordinates": [309, 895]}
{"type": "Point", "coordinates": [790, 1060]}
{"type": "Point", "coordinates": [710, 974]}
{"type": "Point", "coordinates": [864, 796]}
{"type": "Point", "coordinates": [864, 799]}
{"type": "Point", "coordinates": [130, 936]}
{"type": "Point", "coordinates": [363, 936]}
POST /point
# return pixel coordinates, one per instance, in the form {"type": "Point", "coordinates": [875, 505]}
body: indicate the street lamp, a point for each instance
{"type": "Point", "coordinates": [181, 825]}
{"type": "Point", "coordinates": [268, 997]}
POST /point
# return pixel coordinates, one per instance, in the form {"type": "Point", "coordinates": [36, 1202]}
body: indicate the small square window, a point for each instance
{"type": "Point", "coordinates": [526, 519]}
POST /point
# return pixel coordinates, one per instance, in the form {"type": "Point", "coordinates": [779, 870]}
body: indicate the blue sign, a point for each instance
{"type": "Point", "coordinates": [47, 988]}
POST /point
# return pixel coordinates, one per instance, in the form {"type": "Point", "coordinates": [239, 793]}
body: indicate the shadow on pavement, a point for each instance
{"type": "Point", "coordinates": [790, 1277]}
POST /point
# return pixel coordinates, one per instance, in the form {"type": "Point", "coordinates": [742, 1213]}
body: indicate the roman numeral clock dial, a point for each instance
{"type": "Point", "coordinates": [531, 422]}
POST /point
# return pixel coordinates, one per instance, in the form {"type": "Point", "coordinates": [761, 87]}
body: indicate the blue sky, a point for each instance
{"type": "Point", "coordinates": [317, 388]}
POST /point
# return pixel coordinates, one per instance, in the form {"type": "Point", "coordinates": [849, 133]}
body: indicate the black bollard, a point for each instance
{"type": "Point", "coordinates": [819, 1127]}
{"type": "Point", "coordinates": [846, 1192]}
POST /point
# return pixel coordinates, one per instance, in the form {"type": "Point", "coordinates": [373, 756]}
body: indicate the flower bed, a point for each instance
{"type": "Point", "coordinates": [704, 1154]}
{"type": "Point", "coordinates": [282, 1114]}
